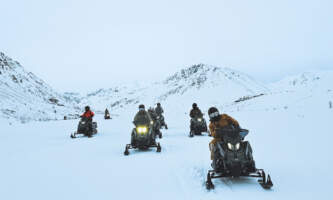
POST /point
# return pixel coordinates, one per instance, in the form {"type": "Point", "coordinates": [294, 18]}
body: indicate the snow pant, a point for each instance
{"type": "Point", "coordinates": [212, 147]}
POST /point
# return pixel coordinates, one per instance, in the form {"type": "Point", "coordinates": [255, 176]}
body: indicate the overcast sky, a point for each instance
{"type": "Point", "coordinates": [78, 45]}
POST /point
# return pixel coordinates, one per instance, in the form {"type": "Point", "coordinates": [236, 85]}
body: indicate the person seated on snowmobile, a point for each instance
{"type": "Point", "coordinates": [218, 121]}
{"type": "Point", "coordinates": [88, 114]}
{"type": "Point", "coordinates": [159, 110]}
{"type": "Point", "coordinates": [195, 112]}
{"type": "Point", "coordinates": [152, 113]}
{"type": "Point", "coordinates": [142, 117]}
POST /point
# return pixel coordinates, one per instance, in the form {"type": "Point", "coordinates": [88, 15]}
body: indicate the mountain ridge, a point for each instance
{"type": "Point", "coordinates": [26, 97]}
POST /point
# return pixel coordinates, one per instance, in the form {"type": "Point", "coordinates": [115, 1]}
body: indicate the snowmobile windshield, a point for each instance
{"type": "Point", "coordinates": [243, 133]}
{"type": "Point", "coordinates": [84, 119]}
{"type": "Point", "coordinates": [232, 136]}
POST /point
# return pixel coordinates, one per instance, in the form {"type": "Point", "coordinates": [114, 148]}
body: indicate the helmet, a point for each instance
{"type": "Point", "coordinates": [158, 104]}
{"type": "Point", "coordinates": [213, 114]}
{"type": "Point", "coordinates": [141, 107]}
{"type": "Point", "coordinates": [194, 105]}
{"type": "Point", "coordinates": [87, 108]}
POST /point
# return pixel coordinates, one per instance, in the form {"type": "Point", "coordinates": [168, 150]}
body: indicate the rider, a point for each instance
{"type": "Point", "coordinates": [159, 110]}
{"type": "Point", "coordinates": [152, 113]}
{"type": "Point", "coordinates": [142, 117]}
{"type": "Point", "coordinates": [218, 121]}
{"type": "Point", "coordinates": [195, 112]}
{"type": "Point", "coordinates": [153, 116]}
{"type": "Point", "coordinates": [88, 114]}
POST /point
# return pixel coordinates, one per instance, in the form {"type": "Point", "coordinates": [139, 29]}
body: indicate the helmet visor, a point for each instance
{"type": "Point", "coordinates": [214, 114]}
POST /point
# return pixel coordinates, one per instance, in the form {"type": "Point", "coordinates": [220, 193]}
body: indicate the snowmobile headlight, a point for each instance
{"type": "Point", "coordinates": [230, 146]}
{"type": "Point", "coordinates": [237, 146]}
{"type": "Point", "coordinates": [199, 119]}
{"type": "Point", "coordinates": [142, 130]}
{"type": "Point", "coordinates": [151, 122]}
{"type": "Point", "coordinates": [83, 122]}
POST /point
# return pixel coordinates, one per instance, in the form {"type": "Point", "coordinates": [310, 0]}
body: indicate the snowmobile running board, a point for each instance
{"type": "Point", "coordinates": [129, 146]}
{"type": "Point", "coordinates": [264, 181]}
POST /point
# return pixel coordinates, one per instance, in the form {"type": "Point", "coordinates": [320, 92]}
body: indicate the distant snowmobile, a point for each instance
{"type": "Point", "coordinates": [233, 158]}
{"type": "Point", "coordinates": [142, 138]}
{"type": "Point", "coordinates": [83, 128]}
{"type": "Point", "coordinates": [198, 125]}
{"type": "Point", "coordinates": [107, 114]}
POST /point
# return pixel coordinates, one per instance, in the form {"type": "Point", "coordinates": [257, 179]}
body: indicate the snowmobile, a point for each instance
{"type": "Point", "coordinates": [233, 158]}
{"type": "Point", "coordinates": [198, 125]}
{"type": "Point", "coordinates": [107, 114]}
{"type": "Point", "coordinates": [143, 138]}
{"type": "Point", "coordinates": [83, 128]}
{"type": "Point", "coordinates": [160, 118]}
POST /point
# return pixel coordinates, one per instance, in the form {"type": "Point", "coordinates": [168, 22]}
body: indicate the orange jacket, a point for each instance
{"type": "Point", "coordinates": [88, 114]}
{"type": "Point", "coordinates": [224, 121]}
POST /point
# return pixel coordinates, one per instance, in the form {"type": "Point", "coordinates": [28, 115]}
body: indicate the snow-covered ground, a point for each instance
{"type": "Point", "coordinates": [289, 123]}
{"type": "Point", "coordinates": [291, 142]}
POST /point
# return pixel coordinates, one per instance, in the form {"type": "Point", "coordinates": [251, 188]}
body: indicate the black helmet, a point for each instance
{"type": "Point", "coordinates": [213, 114]}
{"type": "Point", "coordinates": [158, 104]}
{"type": "Point", "coordinates": [194, 105]}
{"type": "Point", "coordinates": [141, 107]}
{"type": "Point", "coordinates": [87, 108]}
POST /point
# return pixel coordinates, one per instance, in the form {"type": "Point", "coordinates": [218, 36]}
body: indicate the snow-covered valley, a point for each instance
{"type": "Point", "coordinates": [41, 161]}
{"type": "Point", "coordinates": [289, 123]}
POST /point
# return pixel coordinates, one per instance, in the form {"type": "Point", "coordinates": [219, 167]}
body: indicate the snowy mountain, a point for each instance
{"type": "Point", "coordinates": [26, 97]}
{"type": "Point", "coordinates": [309, 89]}
{"type": "Point", "coordinates": [311, 81]}
{"type": "Point", "coordinates": [189, 85]}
